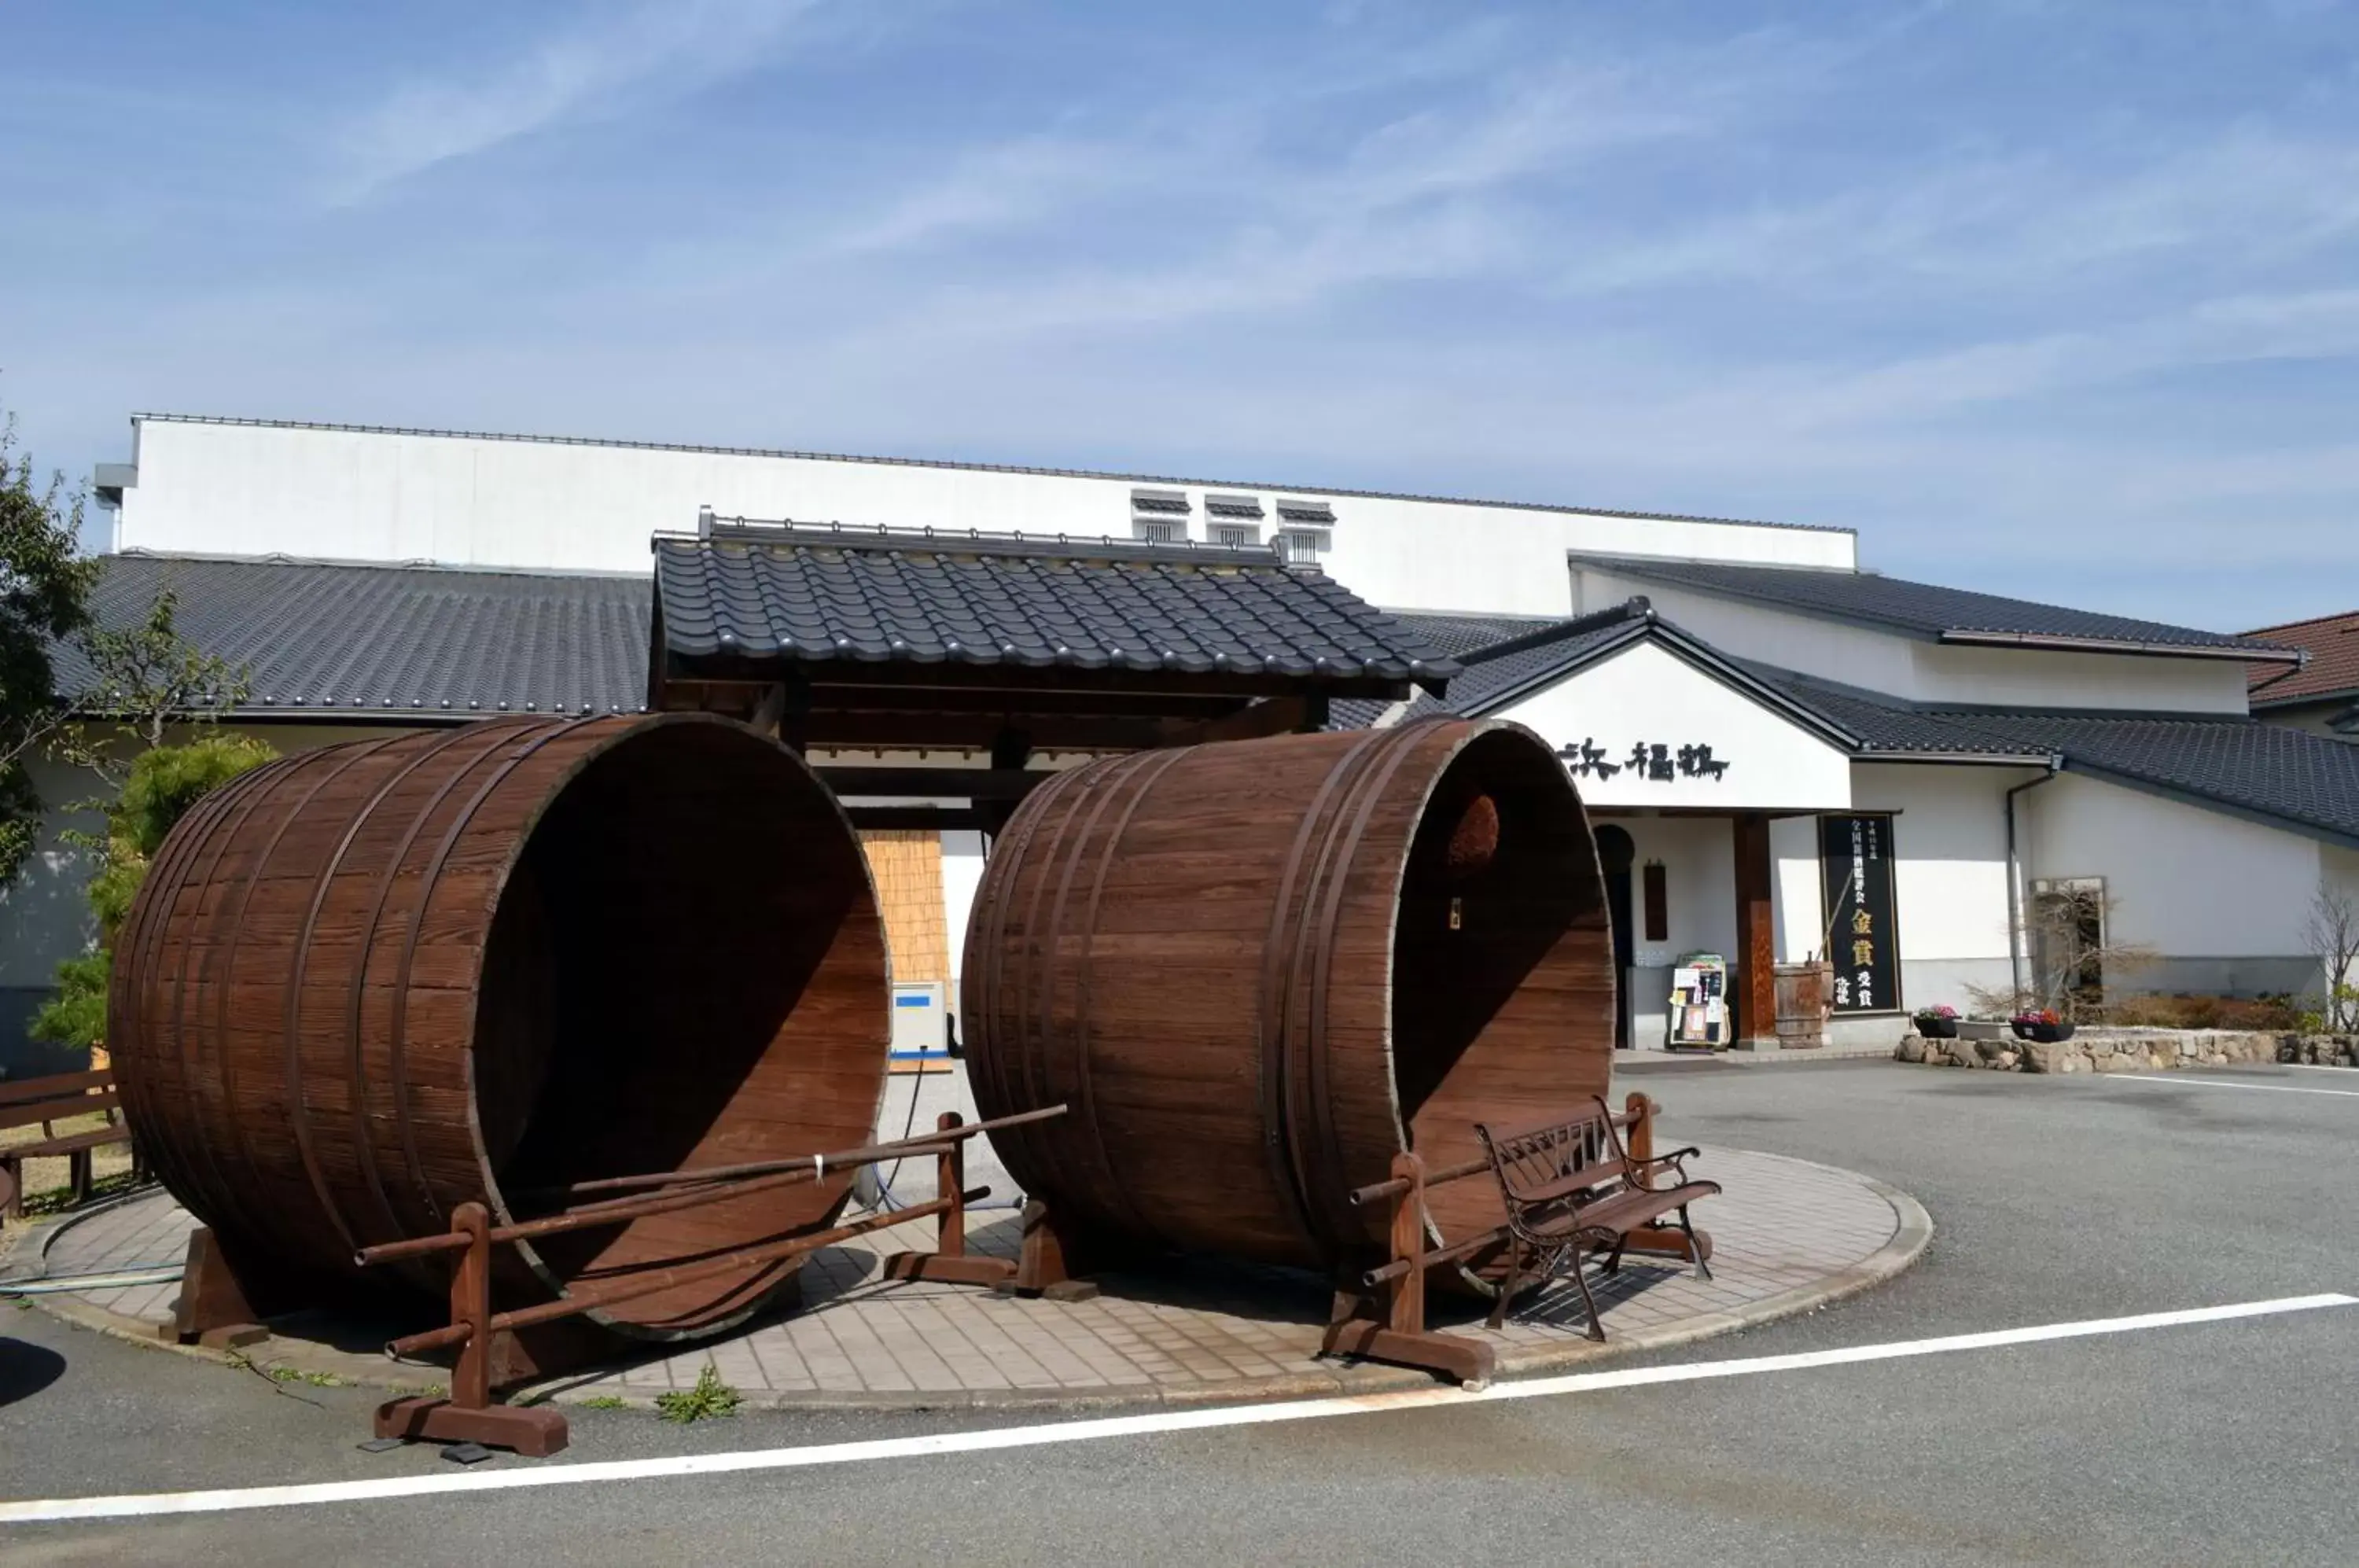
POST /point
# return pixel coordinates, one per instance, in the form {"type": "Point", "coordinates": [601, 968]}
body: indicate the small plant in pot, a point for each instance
{"type": "Point", "coordinates": [2043, 1026]}
{"type": "Point", "coordinates": [1937, 1022]}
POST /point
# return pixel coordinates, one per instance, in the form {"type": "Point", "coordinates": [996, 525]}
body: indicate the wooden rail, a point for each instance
{"type": "Point", "coordinates": [470, 1415]}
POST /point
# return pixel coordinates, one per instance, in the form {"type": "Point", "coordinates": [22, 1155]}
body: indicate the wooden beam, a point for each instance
{"type": "Point", "coordinates": [1009, 676]}
{"type": "Point", "coordinates": [1756, 942]}
{"type": "Point", "coordinates": [770, 709]}
{"type": "Point", "coordinates": [935, 819]}
{"type": "Point", "coordinates": [956, 783]}
{"type": "Point", "coordinates": [1270, 716]}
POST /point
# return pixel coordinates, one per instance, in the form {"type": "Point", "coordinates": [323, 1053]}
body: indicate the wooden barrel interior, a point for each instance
{"type": "Point", "coordinates": [1506, 1013]}
{"type": "Point", "coordinates": [685, 969]}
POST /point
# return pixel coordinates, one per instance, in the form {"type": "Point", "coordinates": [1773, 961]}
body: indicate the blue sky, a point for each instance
{"type": "Point", "coordinates": [2050, 300]}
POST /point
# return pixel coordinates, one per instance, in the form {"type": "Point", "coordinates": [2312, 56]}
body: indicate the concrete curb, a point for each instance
{"type": "Point", "coordinates": [1912, 1232]}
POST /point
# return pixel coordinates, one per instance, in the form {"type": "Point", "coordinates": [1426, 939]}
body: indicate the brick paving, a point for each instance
{"type": "Point", "coordinates": [1786, 1234]}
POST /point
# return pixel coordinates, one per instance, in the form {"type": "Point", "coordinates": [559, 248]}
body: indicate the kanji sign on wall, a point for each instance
{"type": "Point", "coordinates": [1863, 934]}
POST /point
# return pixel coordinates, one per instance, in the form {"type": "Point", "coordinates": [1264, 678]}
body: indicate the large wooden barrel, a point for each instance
{"type": "Point", "coordinates": [1258, 970]}
{"type": "Point", "coordinates": [368, 982]}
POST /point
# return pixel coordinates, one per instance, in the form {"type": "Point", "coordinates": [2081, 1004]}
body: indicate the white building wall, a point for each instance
{"type": "Point", "coordinates": [2221, 900]}
{"type": "Point", "coordinates": [961, 877]}
{"type": "Point", "coordinates": [1921, 672]}
{"type": "Point", "coordinates": [387, 496]}
{"type": "Point", "coordinates": [2006, 676]}
{"type": "Point", "coordinates": [1646, 693]}
{"type": "Point", "coordinates": [1698, 857]}
{"type": "Point", "coordinates": [1798, 904]}
{"type": "Point", "coordinates": [1949, 834]}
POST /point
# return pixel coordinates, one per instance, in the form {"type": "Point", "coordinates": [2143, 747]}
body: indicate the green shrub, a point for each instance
{"type": "Point", "coordinates": [711, 1397]}
{"type": "Point", "coordinates": [163, 783]}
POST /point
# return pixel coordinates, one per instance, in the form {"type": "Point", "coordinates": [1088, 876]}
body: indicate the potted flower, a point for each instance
{"type": "Point", "coordinates": [2042, 1025]}
{"type": "Point", "coordinates": [1939, 1022]}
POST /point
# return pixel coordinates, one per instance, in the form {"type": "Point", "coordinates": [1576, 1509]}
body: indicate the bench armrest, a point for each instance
{"type": "Point", "coordinates": [1642, 1171]}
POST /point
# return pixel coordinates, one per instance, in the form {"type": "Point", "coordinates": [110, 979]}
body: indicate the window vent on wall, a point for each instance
{"type": "Point", "coordinates": [1239, 535]}
{"type": "Point", "coordinates": [1159, 517]}
{"type": "Point", "coordinates": [1303, 547]}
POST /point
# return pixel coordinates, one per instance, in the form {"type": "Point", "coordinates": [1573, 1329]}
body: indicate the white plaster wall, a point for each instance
{"type": "Point", "coordinates": [1950, 845]}
{"type": "Point", "coordinates": [1813, 646]}
{"type": "Point", "coordinates": [2190, 882]}
{"type": "Point", "coordinates": [1927, 671]}
{"type": "Point", "coordinates": [1698, 857]}
{"type": "Point", "coordinates": [961, 875]}
{"type": "Point", "coordinates": [373, 495]}
{"type": "Point", "coordinates": [1646, 693]}
{"type": "Point", "coordinates": [2043, 679]}
{"type": "Point", "coordinates": [1798, 903]}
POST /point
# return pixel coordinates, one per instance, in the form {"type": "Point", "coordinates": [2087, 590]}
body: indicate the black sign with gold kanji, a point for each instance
{"type": "Point", "coordinates": [1863, 934]}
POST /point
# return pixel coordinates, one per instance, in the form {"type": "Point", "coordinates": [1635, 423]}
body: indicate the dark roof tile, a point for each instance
{"type": "Point", "coordinates": [374, 640]}
{"type": "Point", "coordinates": [811, 593]}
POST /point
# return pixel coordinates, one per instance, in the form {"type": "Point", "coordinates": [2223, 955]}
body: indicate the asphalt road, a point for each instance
{"type": "Point", "coordinates": [2055, 1200]}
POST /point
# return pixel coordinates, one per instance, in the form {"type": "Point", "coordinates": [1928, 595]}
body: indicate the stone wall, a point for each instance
{"type": "Point", "coordinates": [2131, 1050]}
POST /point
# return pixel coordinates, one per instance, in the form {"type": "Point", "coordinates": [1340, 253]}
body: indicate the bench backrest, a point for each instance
{"type": "Point", "coordinates": [44, 1100]}
{"type": "Point", "coordinates": [1545, 1161]}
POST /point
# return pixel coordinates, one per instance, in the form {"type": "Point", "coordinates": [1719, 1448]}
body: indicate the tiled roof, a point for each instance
{"type": "Point", "coordinates": [2264, 772]}
{"type": "Point", "coordinates": [1455, 635]}
{"type": "Point", "coordinates": [1925, 610]}
{"type": "Point", "coordinates": [2332, 642]}
{"type": "Point", "coordinates": [373, 641]}
{"type": "Point", "coordinates": [1883, 723]}
{"type": "Point", "coordinates": [1536, 657]}
{"type": "Point", "coordinates": [1298, 490]}
{"type": "Point", "coordinates": [815, 595]}
{"type": "Point", "coordinates": [2284, 777]}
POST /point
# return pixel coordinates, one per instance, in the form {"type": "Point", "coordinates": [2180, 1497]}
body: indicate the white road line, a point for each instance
{"type": "Point", "coordinates": [138, 1504]}
{"type": "Point", "coordinates": [2222, 1083]}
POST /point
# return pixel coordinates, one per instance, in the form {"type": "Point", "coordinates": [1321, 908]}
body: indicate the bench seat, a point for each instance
{"type": "Point", "coordinates": [1569, 1187]}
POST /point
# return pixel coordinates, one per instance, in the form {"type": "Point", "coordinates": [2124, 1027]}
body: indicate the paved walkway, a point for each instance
{"type": "Point", "coordinates": [1788, 1236]}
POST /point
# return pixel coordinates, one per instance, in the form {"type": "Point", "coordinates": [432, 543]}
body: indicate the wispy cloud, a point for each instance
{"type": "Point", "coordinates": [660, 48]}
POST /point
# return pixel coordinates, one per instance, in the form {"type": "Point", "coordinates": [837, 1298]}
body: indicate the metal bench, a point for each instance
{"type": "Point", "coordinates": [1571, 1187]}
{"type": "Point", "coordinates": [45, 1102]}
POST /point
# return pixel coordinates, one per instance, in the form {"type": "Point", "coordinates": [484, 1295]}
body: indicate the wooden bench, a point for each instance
{"type": "Point", "coordinates": [45, 1102]}
{"type": "Point", "coordinates": [1572, 1186]}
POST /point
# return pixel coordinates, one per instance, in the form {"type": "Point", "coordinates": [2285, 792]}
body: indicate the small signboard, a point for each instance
{"type": "Point", "coordinates": [1863, 934]}
{"type": "Point", "coordinates": [1698, 1014]}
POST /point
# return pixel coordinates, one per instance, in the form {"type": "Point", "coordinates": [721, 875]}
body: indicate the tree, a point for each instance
{"type": "Point", "coordinates": [2068, 932]}
{"type": "Point", "coordinates": [146, 679]}
{"type": "Point", "coordinates": [45, 586]}
{"type": "Point", "coordinates": [2332, 929]}
{"type": "Point", "coordinates": [162, 783]}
